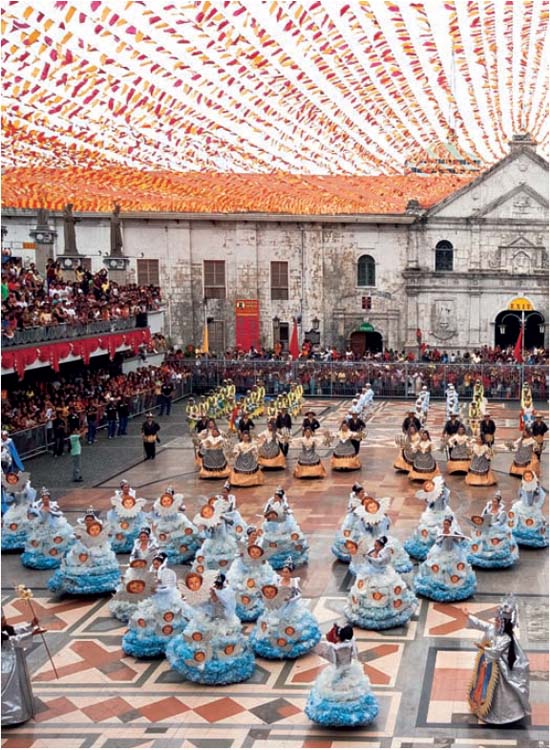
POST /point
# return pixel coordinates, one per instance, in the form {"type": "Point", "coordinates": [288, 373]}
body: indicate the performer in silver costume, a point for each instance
{"type": "Point", "coordinates": [499, 690]}
{"type": "Point", "coordinates": [17, 698]}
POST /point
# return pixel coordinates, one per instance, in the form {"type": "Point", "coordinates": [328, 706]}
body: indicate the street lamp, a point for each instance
{"type": "Point", "coordinates": [315, 324]}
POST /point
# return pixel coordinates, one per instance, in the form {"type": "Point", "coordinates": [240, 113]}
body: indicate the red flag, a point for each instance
{"type": "Point", "coordinates": [519, 346]}
{"type": "Point", "coordinates": [293, 346]}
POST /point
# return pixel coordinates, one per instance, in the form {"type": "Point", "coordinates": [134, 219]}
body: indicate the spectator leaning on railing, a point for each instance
{"type": "Point", "coordinates": [30, 302]}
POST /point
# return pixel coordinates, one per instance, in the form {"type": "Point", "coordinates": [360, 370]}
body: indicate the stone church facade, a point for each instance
{"type": "Point", "coordinates": [366, 281]}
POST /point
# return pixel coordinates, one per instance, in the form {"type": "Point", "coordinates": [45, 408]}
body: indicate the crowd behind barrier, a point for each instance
{"type": "Point", "coordinates": [400, 380]}
{"type": "Point", "coordinates": [342, 379]}
{"type": "Point", "coordinates": [36, 440]}
{"type": "Point", "coordinates": [52, 308]}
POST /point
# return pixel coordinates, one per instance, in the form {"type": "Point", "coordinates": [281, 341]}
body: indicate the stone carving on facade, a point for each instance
{"type": "Point", "coordinates": [444, 319]}
{"type": "Point", "coordinates": [521, 263]}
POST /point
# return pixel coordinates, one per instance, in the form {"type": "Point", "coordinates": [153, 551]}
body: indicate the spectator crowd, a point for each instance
{"type": "Point", "coordinates": [31, 301]}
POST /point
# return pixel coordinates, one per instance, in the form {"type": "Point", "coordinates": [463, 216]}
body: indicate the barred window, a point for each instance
{"type": "Point", "coordinates": [148, 272]}
{"type": "Point", "coordinates": [214, 279]}
{"type": "Point", "coordinates": [279, 280]}
{"type": "Point", "coordinates": [444, 256]}
{"type": "Point", "coordinates": [366, 271]}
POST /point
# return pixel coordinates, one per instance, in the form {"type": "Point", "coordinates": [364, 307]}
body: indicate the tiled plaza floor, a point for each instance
{"type": "Point", "coordinates": [419, 673]}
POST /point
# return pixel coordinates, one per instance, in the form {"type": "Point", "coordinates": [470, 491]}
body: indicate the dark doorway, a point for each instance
{"type": "Point", "coordinates": [362, 341]}
{"type": "Point", "coordinates": [507, 325]}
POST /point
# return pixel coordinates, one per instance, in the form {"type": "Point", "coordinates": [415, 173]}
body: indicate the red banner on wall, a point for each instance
{"type": "Point", "coordinates": [247, 323]}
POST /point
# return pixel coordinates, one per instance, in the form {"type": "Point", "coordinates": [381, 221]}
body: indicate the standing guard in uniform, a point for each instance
{"type": "Point", "coordinates": [149, 434]}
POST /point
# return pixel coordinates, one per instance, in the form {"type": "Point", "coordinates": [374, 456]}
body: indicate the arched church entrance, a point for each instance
{"type": "Point", "coordinates": [364, 339]}
{"type": "Point", "coordinates": [508, 324]}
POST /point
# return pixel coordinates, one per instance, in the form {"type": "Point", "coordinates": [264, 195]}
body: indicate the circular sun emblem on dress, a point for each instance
{"type": "Point", "coordinates": [12, 478]}
{"type": "Point", "coordinates": [128, 501]}
{"type": "Point", "coordinates": [207, 511]}
{"type": "Point", "coordinates": [166, 500]}
{"type": "Point", "coordinates": [528, 475]}
{"type": "Point", "coordinates": [429, 486]}
{"type": "Point", "coordinates": [95, 528]}
{"type": "Point", "coordinates": [269, 591]}
{"type": "Point", "coordinates": [371, 505]}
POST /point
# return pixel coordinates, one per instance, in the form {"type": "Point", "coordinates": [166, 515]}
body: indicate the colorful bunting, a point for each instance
{"type": "Point", "coordinates": [323, 87]}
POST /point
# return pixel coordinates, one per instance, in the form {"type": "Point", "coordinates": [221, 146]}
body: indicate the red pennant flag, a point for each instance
{"type": "Point", "coordinates": [518, 347]}
{"type": "Point", "coordinates": [293, 346]}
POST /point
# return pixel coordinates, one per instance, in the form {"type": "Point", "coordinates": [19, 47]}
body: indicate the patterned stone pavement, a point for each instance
{"type": "Point", "coordinates": [419, 673]}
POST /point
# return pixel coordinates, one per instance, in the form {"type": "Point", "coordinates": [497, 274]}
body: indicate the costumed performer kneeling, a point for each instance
{"type": "Point", "coordinates": [286, 629]}
{"type": "Point", "coordinates": [219, 548]}
{"type": "Point", "coordinates": [176, 534]}
{"type": "Point", "coordinates": [341, 695]}
{"type": "Point", "coordinates": [529, 525]}
{"type": "Point", "coordinates": [436, 496]}
{"type": "Point", "coordinates": [212, 649]}
{"type": "Point", "coordinates": [282, 537]}
{"type": "Point", "coordinates": [49, 534]}
{"type": "Point", "coordinates": [18, 496]}
{"type": "Point", "coordinates": [379, 599]}
{"type": "Point", "coordinates": [90, 565]}
{"type": "Point", "coordinates": [350, 528]}
{"type": "Point", "coordinates": [446, 575]}
{"type": "Point", "coordinates": [158, 619]}
{"type": "Point", "coordinates": [248, 573]}
{"type": "Point", "coordinates": [493, 544]}
{"type": "Point", "coordinates": [125, 518]}
{"type": "Point", "coordinates": [499, 689]}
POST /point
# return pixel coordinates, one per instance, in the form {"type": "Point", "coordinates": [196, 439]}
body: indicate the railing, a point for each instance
{"type": "Point", "coordinates": [71, 331]}
{"type": "Point", "coordinates": [392, 380]}
{"type": "Point", "coordinates": [38, 439]}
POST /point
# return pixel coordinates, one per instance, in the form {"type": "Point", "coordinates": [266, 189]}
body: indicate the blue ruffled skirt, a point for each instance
{"type": "Point", "coordinates": [289, 637]}
{"type": "Point", "coordinates": [355, 713]}
{"type": "Point", "coordinates": [213, 671]}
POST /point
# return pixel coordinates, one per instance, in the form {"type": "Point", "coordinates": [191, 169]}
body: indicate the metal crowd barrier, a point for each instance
{"type": "Point", "coordinates": [394, 380]}
{"type": "Point", "coordinates": [36, 440]}
{"type": "Point", "coordinates": [69, 331]}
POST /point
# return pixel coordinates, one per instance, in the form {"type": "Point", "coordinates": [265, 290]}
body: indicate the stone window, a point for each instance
{"type": "Point", "coordinates": [444, 256]}
{"type": "Point", "coordinates": [148, 272]}
{"type": "Point", "coordinates": [279, 280]}
{"type": "Point", "coordinates": [214, 279]}
{"type": "Point", "coordinates": [366, 271]}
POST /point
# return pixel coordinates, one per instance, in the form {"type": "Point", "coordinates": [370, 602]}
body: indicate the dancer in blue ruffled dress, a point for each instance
{"type": "Point", "coordinates": [374, 522]}
{"type": "Point", "coordinates": [286, 629]}
{"type": "Point", "coordinates": [125, 518]}
{"type": "Point", "coordinates": [138, 583]}
{"type": "Point", "coordinates": [10, 462]}
{"type": "Point", "coordinates": [175, 533]}
{"type": "Point", "coordinates": [379, 598]}
{"type": "Point", "coordinates": [436, 495]}
{"type": "Point", "coordinates": [145, 547]}
{"type": "Point", "coordinates": [529, 525]}
{"type": "Point", "coordinates": [157, 619]}
{"type": "Point", "coordinates": [341, 695]}
{"type": "Point", "coordinates": [248, 573]}
{"type": "Point", "coordinates": [49, 534]}
{"type": "Point", "coordinates": [493, 544]}
{"type": "Point", "coordinates": [212, 650]}
{"type": "Point", "coordinates": [282, 537]}
{"type": "Point", "coordinates": [236, 525]}
{"type": "Point", "coordinates": [90, 565]}
{"type": "Point", "coordinates": [446, 575]}
{"type": "Point", "coordinates": [350, 528]}
{"type": "Point", "coordinates": [18, 495]}
{"type": "Point", "coordinates": [219, 548]}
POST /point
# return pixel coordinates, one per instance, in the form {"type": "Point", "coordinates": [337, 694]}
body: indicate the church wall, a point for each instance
{"type": "Point", "coordinates": [498, 229]}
